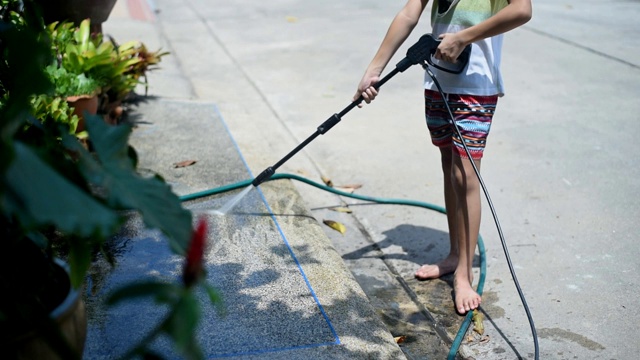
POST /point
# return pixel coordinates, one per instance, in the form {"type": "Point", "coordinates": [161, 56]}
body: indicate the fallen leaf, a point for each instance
{"type": "Point", "coordinates": [470, 339]}
{"type": "Point", "coordinates": [291, 19]}
{"type": "Point", "coordinates": [335, 226]}
{"type": "Point", "coordinates": [327, 181]}
{"type": "Point", "coordinates": [341, 209]}
{"type": "Point", "coordinates": [185, 163]}
{"type": "Point", "coordinates": [302, 172]}
{"type": "Point", "coordinates": [477, 319]}
{"type": "Point", "coordinates": [350, 186]}
{"type": "Point", "coordinates": [400, 339]}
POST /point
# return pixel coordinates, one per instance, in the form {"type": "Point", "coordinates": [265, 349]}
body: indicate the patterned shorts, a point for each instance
{"type": "Point", "coordinates": [472, 114]}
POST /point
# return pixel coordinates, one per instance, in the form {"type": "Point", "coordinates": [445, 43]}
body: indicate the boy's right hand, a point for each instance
{"type": "Point", "coordinates": [366, 89]}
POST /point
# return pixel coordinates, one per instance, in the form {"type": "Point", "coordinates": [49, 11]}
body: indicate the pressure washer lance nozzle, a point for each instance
{"type": "Point", "coordinates": [264, 176]}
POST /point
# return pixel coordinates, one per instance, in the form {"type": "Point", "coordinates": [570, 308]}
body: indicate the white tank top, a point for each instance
{"type": "Point", "coordinates": [482, 75]}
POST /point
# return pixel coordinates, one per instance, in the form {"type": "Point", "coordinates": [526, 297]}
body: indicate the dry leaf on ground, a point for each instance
{"type": "Point", "coordinates": [400, 339]}
{"type": "Point", "coordinates": [327, 181]}
{"type": "Point", "coordinates": [470, 339]}
{"type": "Point", "coordinates": [341, 209]}
{"type": "Point", "coordinates": [335, 226]}
{"type": "Point", "coordinates": [184, 163]}
{"type": "Point", "coordinates": [477, 319]}
{"type": "Point", "coordinates": [302, 172]}
{"type": "Point", "coordinates": [351, 187]}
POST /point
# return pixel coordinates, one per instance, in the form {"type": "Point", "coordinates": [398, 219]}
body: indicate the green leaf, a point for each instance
{"type": "Point", "coordinates": [39, 239]}
{"type": "Point", "coordinates": [149, 288]}
{"type": "Point", "coordinates": [159, 206]}
{"type": "Point", "coordinates": [82, 35]}
{"type": "Point", "coordinates": [25, 53]}
{"type": "Point", "coordinates": [46, 197]}
{"type": "Point", "coordinates": [79, 260]}
{"type": "Point", "coordinates": [181, 326]}
{"type": "Point", "coordinates": [214, 295]}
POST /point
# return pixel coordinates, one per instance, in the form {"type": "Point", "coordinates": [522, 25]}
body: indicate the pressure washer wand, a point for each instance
{"type": "Point", "coordinates": [323, 128]}
{"type": "Point", "coordinates": [420, 52]}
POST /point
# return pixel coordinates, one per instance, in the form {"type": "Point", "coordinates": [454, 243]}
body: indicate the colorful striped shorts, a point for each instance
{"type": "Point", "coordinates": [472, 114]}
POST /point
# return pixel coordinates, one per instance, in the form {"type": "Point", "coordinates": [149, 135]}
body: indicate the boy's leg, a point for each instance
{"type": "Point", "coordinates": [449, 263]}
{"type": "Point", "coordinates": [467, 227]}
{"type": "Point", "coordinates": [441, 135]}
{"type": "Point", "coordinates": [461, 186]}
{"type": "Point", "coordinates": [463, 205]}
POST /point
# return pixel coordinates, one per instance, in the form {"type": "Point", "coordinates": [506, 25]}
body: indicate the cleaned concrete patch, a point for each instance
{"type": "Point", "coordinates": [270, 307]}
{"type": "Point", "coordinates": [268, 303]}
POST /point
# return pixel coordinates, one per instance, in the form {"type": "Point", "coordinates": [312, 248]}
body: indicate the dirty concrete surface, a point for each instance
{"type": "Point", "coordinates": [560, 163]}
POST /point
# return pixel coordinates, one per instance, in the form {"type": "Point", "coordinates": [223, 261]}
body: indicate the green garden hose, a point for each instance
{"type": "Point", "coordinates": [483, 260]}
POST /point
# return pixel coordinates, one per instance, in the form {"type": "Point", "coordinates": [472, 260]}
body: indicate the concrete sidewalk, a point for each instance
{"type": "Point", "coordinates": [559, 166]}
{"type": "Point", "coordinates": [287, 292]}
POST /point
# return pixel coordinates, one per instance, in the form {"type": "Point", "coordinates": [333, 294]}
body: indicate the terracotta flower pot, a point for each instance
{"type": "Point", "coordinates": [71, 318]}
{"type": "Point", "coordinates": [83, 104]}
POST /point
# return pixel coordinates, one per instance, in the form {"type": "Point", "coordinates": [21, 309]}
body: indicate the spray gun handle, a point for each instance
{"type": "Point", "coordinates": [424, 51]}
{"type": "Point", "coordinates": [453, 68]}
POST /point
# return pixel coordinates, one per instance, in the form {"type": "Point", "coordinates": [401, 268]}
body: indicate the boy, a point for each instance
{"type": "Point", "coordinates": [472, 96]}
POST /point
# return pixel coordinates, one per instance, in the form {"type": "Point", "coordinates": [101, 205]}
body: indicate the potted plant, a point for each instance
{"type": "Point", "coordinates": [78, 91]}
{"type": "Point", "coordinates": [51, 110]}
{"type": "Point", "coordinates": [52, 201]}
{"type": "Point", "coordinates": [138, 60]}
{"type": "Point", "coordinates": [81, 66]}
{"type": "Point", "coordinates": [123, 77]}
{"type": "Point", "coordinates": [116, 70]}
{"type": "Point", "coordinates": [131, 62]}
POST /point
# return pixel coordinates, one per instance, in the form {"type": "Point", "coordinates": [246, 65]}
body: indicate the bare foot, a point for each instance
{"type": "Point", "coordinates": [433, 271]}
{"type": "Point", "coordinates": [466, 299]}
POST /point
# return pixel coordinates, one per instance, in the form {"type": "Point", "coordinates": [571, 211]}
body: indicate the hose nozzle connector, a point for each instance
{"type": "Point", "coordinates": [264, 176]}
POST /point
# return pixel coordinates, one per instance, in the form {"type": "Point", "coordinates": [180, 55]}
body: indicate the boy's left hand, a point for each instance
{"type": "Point", "coordinates": [450, 48]}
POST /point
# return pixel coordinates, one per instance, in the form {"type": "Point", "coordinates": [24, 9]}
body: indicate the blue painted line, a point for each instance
{"type": "Point", "coordinates": [286, 242]}
{"type": "Point", "coordinates": [304, 276]}
{"type": "Point", "coordinates": [268, 351]}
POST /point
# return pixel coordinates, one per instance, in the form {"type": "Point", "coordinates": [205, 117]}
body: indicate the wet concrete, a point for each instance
{"type": "Point", "coordinates": [270, 306]}
{"type": "Point", "coordinates": [560, 176]}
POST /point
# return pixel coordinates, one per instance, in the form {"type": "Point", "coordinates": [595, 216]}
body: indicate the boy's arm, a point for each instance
{"type": "Point", "coordinates": [400, 28]}
{"type": "Point", "coordinates": [515, 14]}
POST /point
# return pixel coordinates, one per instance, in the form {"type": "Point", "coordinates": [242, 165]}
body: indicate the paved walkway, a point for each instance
{"type": "Point", "coordinates": [560, 176]}
{"type": "Point", "coordinates": [286, 292]}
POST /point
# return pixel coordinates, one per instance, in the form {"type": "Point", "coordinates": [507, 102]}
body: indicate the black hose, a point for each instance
{"type": "Point", "coordinates": [493, 212]}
